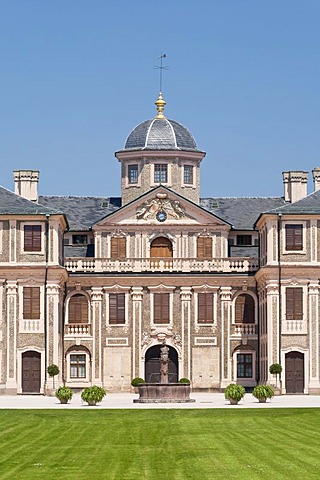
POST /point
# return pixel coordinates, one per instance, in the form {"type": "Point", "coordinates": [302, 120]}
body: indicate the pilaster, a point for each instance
{"type": "Point", "coordinates": [11, 347]}
{"type": "Point", "coordinates": [225, 296]}
{"type": "Point", "coordinates": [96, 309]}
{"type": "Point", "coordinates": [185, 296]}
{"type": "Point", "coordinates": [313, 314]}
{"type": "Point", "coordinates": [136, 296]}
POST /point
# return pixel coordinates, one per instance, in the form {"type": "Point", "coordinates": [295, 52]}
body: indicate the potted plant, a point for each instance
{"type": "Point", "coordinates": [184, 380]}
{"type": "Point", "coordinates": [64, 394]}
{"type": "Point", "coordinates": [53, 370]}
{"type": "Point", "coordinates": [135, 382]}
{"type": "Point", "coordinates": [234, 393]}
{"type": "Point", "coordinates": [93, 395]}
{"type": "Point", "coordinates": [262, 392]}
{"type": "Point", "coordinates": [275, 369]}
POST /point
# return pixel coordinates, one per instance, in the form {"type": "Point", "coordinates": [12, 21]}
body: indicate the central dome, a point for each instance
{"type": "Point", "coordinates": [160, 134]}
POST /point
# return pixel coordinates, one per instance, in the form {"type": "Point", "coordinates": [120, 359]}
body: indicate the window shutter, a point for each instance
{"type": "Point", "coordinates": [27, 238]}
{"type": "Point", "coordinates": [78, 309]}
{"type": "Point", "coordinates": [205, 308]}
{"type": "Point", "coordinates": [294, 303]}
{"type": "Point", "coordinates": [36, 238]}
{"type": "Point", "coordinates": [32, 238]}
{"type": "Point", "coordinates": [116, 308]}
{"type": "Point", "coordinates": [240, 301]}
{"type": "Point", "coordinates": [118, 247]}
{"type": "Point", "coordinates": [293, 237]}
{"type": "Point", "coordinates": [204, 247]}
{"type": "Point", "coordinates": [248, 309]}
{"type": "Point", "coordinates": [31, 303]}
{"type": "Point", "coordinates": [161, 308]}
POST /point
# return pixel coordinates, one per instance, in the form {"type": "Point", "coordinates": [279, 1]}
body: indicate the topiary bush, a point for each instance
{"type": "Point", "coordinates": [135, 381]}
{"type": "Point", "coordinates": [93, 395]}
{"type": "Point", "coordinates": [262, 392]}
{"type": "Point", "coordinates": [184, 380]}
{"type": "Point", "coordinates": [275, 369]}
{"type": "Point", "coordinates": [53, 370]}
{"type": "Point", "coordinates": [234, 392]}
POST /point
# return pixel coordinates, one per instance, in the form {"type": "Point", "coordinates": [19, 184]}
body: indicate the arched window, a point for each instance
{"type": "Point", "coordinates": [161, 247]}
{"type": "Point", "coordinates": [244, 309]}
{"type": "Point", "coordinates": [78, 309]}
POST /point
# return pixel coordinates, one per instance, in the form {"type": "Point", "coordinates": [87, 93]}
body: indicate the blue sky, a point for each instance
{"type": "Point", "coordinates": [77, 76]}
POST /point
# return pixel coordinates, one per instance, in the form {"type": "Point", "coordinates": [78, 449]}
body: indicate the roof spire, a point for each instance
{"type": "Point", "coordinates": [160, 104]}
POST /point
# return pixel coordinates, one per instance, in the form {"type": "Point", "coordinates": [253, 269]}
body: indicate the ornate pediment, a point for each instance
{"type": "Point", "coordinates": [161, 208]}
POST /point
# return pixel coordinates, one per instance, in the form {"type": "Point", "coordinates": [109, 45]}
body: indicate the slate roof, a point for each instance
{"type": "Point", "coordinates": [308, 205]}
{"type": "Point", "coordinates": [160, 134]}
{"type": "Point", "coordinates": [241, 212]}
{"type": "Point", "coordinates": [82, 212]}
{"type": "Point", "coordinates": [12, 204]}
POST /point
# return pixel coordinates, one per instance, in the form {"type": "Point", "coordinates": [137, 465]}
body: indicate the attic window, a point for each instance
{"type": "Point", "coordinates": [105, 204]}
{"type": "Point", "coordinates": [214, 205]}
{"type": "Point", "coordinates": [79, 239]}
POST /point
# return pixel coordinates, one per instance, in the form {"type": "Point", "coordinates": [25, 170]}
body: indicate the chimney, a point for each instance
{"type": "Point", "coordinates": [26, 184]}
{"type": "Point", "coordinates": [316, 178]}
{"type": "Point", "coordinates": [295, 185]}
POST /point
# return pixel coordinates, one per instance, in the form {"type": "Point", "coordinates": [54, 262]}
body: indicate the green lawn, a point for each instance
{"type": "Point", "coordinates": [160, 444]}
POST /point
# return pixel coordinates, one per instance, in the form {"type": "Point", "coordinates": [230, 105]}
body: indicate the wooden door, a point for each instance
{"type": "Point", "coordinates": [31, 372]}
{"type": "Point", "coordinates": [295, 372]}
{"type": "Point", "coordinates": [152, 365]}
{"type": "Point", "coordinates": [161, 247]}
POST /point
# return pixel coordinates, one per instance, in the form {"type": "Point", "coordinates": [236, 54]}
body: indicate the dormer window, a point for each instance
{"type": "Point", "coordinates": [160, 173]}
{"type": "Point", "coordinates": [132, 174]}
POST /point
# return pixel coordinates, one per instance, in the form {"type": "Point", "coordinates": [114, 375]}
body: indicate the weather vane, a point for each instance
{"type": "Point", "coordinates": [161, 67]}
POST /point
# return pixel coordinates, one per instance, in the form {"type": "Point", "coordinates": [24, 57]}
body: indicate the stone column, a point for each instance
{"type": "Point", "coordinates": [185, 295]}
{"type": "Point", "coordinates": [272, 327]}
{"type": "Point", "coordinates": [313, 309]}
{"type": "Point", "coordinates": [96, 324]}
{"type": "Point", "coordinates": [11, 347]}
{"type": "Point", "coordinates": [137, 365]}
{"type": "Point", "coordinates": [226, 360]}
{"type": "Point", "coordinates": [53, 318]}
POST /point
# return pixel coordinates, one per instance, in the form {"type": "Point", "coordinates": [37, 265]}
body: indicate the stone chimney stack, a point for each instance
{"type": "Point", "coordinates": [316, 178]}
{"type": "Point", "coordinates": [295, 185]}
{"type": "Point", "coordinates": [26, 184]}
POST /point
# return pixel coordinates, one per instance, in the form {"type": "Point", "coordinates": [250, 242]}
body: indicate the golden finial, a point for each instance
{"type": "Point", "coordinates": [160, 104]}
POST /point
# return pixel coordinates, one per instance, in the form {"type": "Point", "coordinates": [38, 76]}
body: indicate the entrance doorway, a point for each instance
{"type": "Point", "coordinates": [152, 365]}
{"type": "Point", "coordinates": [294, 372]}
{"type": "Point", "coordinates": [161, 247]}
{"type": "Point", "coordinates": [31, 372]}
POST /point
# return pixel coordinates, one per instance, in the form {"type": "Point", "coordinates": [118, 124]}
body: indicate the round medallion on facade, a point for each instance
{"type": "Point", "coordinates": [161, 216]}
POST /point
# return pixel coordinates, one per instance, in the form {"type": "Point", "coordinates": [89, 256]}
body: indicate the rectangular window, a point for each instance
{"type": "Point", "coordinates": [161, 308]}
{"type": "Point", "coordinates": [161, 173]}
{"type": "Point", "coordinates": [79, 239]}
{"type": "Point", "coordinates": [118, 247]}
{"type": "Point", "coordinates": [204, 247]}
{"type": "Point", "coordinates": [205, 308]}
{"type": "Point", "coordinates": [32, 238]}
{"type": "Point", "coordinates": [244, 240]}
{"type": "Point", "coordinates": [31, 303]}
{"type": "Point", "coordinates": [294, 237]}
{"type": "Point", "coordinates": [132, 174]}
{"type": "Point", "coordinates": [188, 175]}
{"type": "Point", "coordinates": [244, 365]}
{"type": "Point", "coordinates": [117, 308]}
{"type": "Point", "coordinates": [77, 366]}
{"type": "Point", "coordinates": [294, 307]}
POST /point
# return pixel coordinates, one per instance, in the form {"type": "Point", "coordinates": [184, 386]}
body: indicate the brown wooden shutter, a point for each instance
{"type": "Point", "coordinates": [31, 303]}
{"type": "Point", "coordinates": [294, 237]}
{"type": "Point", "coordinates": [204, 247]}
{"type": "Point", "coordinates": [78, 309]}
{"type": "Point", "coordinates": [118, 247]}
{"type": "Point", "coordinates": [116, 308]}
{"type": "Point", "coordinates": [32, 238]}
{"type": "Point", "coordinates": [294, 303]}
{"type": "Point", "coordinates": [244, 309]}
{"type": "Point", "coordinates": [161, 308]}
{"type": "Point", "coordinates": [205, 308]}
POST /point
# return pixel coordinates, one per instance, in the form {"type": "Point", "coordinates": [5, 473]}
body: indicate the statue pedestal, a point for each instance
{"type": "Point", "coordinates": [163, 393]}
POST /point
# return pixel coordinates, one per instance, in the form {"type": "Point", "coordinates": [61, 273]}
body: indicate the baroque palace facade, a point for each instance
{"type": "Point", "coordinates": [96, 285]}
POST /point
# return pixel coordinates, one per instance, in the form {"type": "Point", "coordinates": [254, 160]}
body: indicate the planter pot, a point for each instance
{"type": "Point", "coordinates": [92, 403]}
{"type": "Point", "coordinates": [262, 399]}
{"type": "Point", "coordinates": [233, 401]}
{"type": "Point", "coordinates": [63, 400]}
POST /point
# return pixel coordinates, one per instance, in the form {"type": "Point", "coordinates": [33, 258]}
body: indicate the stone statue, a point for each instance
{"type": "Point", "coordinates": [164, 362]}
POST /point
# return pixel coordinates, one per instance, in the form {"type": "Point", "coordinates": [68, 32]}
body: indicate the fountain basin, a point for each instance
{"type": "Point", "coordinates": [163, 393]}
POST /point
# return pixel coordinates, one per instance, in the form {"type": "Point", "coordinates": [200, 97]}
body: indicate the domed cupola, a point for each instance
{"type": "Point", "coordinates": [160, 151]}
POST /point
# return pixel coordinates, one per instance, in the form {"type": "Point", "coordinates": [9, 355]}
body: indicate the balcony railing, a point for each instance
{"type": "Point", "coordinates": [77, 329]}
{"type": "Point", "coordinates": [235, 264]}
{"type": "Point", "coordinates": [294, 327]}
{"type": "Point", "coordinates": [244, 329]}
{"type": "Point", "coordinates": [31, 326]}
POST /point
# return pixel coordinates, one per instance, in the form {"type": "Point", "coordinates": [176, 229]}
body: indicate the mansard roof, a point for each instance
{"type": "Point", "coordinates": [241, 212]}
{"type": "Point", "coordinates": [13, 204]}
{"type": "Point", "coordinates": [82, 212]}
{"type": "Point", "coordinates": [308, 205]}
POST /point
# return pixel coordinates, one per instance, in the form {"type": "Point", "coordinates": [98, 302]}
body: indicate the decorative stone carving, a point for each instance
{"type": "Point", "coordinates": [161, 203]}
